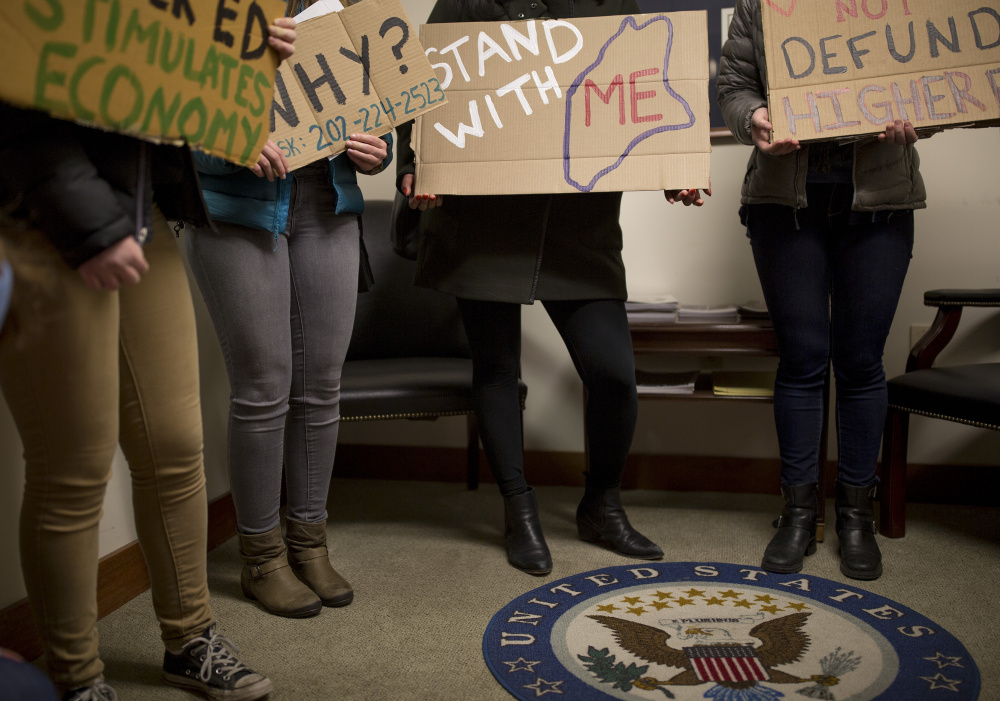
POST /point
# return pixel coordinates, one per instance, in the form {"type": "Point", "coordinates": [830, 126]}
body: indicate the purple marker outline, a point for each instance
{"type": "Point", "coordinates": [646, 134]}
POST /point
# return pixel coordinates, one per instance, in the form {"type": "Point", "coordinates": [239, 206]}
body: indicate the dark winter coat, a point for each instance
{"type": "Point", "coordinates": [86, 189]}
{"type": "Point", "coordinates": [886, 176]}
{"type": "Point", "coordinates": [519, 248]}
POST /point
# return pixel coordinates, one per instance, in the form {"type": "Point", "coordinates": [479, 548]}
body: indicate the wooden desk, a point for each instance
{"type": "Point", "coordinates": [750, 337]}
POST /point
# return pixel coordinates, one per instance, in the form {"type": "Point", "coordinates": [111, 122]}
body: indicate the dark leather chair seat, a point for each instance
{"type": "Point", "coordinates": [410, 388]}
{"type": "Point", "coordinates": [968, 394]}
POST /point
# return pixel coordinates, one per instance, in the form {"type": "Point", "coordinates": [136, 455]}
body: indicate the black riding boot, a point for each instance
{"type": "Point", "coordinates": [526, 548]}
{"type": "Point", "coordinates": [796, 535]}
{"type": "Point", "coordinates": [600, 516]}
{"type": "Point", "coordinates": [860, 557]}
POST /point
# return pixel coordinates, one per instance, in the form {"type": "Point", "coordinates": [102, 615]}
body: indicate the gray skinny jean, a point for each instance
{"type": "Point", "coordinates": [283, 312]}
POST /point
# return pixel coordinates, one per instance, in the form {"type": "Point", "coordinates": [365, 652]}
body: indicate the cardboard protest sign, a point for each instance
{"type": "Point", "coordinates": [582, 105]}
{"type": "Point", "coordinates": [837, 68]}
{"type": "Point", "coordinates": [165, 70]}
{"type": "Point", "coordinates": [357, 70]}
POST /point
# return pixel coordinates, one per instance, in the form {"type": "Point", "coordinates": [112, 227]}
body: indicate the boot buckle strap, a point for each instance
{"type": "Point", "coordinates": [858, 525]}
{"type": "Point", "coordinates": [792, 521]}
{"type": "Point", "coordinates": [309, 554]}
{"type": "Point", "coordinates": [258, 571]}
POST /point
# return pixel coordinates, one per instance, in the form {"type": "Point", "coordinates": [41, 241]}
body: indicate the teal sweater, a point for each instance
{"type": "Point", "coordinates": [234, 194]}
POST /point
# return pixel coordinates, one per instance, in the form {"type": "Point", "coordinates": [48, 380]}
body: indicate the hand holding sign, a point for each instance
{"type": "Point", "coordinates": [366, 151]}
{"type": "Point", "coordinates": [899, 133]}
{"type": "Point", "coordinates": [272, 163]}
{"type": "Point", "coordinates": [422, 201]}
{"type": "Point", "coordinates": [688, 197]}
{"type": "Point", "coordinates": [281, 36]}
{"type": "Point", "coordinates": [761, 128]}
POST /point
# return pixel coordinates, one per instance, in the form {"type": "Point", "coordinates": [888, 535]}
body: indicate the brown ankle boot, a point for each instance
{"type": "Point", "coordinates": [310, 560]}
{"type": "Point", "coordinates": [267, 578]}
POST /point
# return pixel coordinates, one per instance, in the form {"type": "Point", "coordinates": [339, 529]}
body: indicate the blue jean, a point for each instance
{"type": "Point", "coordinates": [283, 312]}
{"type": "Point", "coordinates": [831, 279]}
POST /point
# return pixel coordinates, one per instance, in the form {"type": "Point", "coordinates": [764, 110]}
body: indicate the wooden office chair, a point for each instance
{"type": "Point", "coordinates": [409, 357]}
{"type": "Point", "coordinates": [968, 394]}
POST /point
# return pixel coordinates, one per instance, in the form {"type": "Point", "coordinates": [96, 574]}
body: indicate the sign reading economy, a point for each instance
{"type": "Point", "coordinates": [543, 106]}
{"type": "Point", "coordinates": [843, 67]}
{"type": "Point", "coordinates": [359, 70]}
{"type": "Point", "coordinates": [166, 70]}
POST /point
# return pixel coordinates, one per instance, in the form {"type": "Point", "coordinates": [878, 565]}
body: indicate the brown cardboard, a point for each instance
{"type": "Point", "coordinates": [313, 123]}
{"type": "Point", "coordinates": [838, 68]}
{"type": "Point", "coordinates": [648, 71]}
{"type": "Point", "coordinates": [173, 71]}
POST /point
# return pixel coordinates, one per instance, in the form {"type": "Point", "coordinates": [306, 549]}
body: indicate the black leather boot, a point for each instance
{"type": "Point", "coordinates": [860, 557]}
{"type": "Point", "coordinates": [796, 535]}
{"type": "Point", "coordinates": [526, 548]}
{"type": "Point", "coordinates": [600, 516]}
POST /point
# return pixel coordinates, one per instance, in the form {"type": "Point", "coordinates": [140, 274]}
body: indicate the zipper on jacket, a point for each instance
{"type": "Point", "coordinates": [141, 230]}
{"type": "Point", "coordinates": [795, 209]}
{"type": "Point", "coordinates": [854, 175]}
{"type": "Point", "coordinates": [538, 255]}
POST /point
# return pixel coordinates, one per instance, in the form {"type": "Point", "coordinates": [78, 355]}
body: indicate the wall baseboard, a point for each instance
{"type": "Point", "coordinates": [121, 576]}
{"type": "Point", "coordinates": [933, 484]}
{"type": "Point", "coordinates": [549, 468]}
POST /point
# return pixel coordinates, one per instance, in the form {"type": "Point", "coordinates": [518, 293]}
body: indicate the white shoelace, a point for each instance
{"type": "Point", "coordinates": [100, 690]}
{"type": "Point", "coordinates": [219, 652]}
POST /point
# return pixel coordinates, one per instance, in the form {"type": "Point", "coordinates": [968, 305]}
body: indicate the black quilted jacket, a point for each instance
{"type": "Point", "coordinates": [885, 176]}
{"type": "Point", "coordinates": [85, 188]}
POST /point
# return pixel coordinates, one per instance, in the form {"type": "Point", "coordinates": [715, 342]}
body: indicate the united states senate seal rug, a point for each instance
{"type": "Point", "coordinates": [691, 630]}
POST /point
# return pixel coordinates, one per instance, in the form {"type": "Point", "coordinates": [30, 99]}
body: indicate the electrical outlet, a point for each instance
{"type": "Point", "coordinates": [916, 331]}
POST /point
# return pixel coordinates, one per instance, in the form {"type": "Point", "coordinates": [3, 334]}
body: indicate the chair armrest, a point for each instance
{"type": "Point", "coordinates": [950, 304]}
{"type": "Point", "coordinates": [927, 348]}
{"type": "Point", "coordinates": [962, 298]}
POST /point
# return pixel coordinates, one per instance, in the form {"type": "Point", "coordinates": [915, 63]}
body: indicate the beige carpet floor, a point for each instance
{"type": "Point", "coordinates": [429, 571]}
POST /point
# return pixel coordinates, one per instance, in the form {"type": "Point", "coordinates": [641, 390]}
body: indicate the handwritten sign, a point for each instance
{"type": "Point", "coordinates": [582, 105]}
{"type": "Point", "coordinates": [166, 70]}
{"type": "Point", "coordinates": [357, 70]}
{"type": "Point", "coordinates": [842, 67]}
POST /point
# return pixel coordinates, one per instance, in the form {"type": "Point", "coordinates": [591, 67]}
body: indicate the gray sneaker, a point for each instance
{"type": "Point", "coordinates": [208, 665]}
{"type": "Point", "coordinates": [99, 690]}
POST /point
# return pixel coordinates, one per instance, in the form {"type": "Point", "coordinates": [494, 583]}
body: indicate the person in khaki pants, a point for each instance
{"type": "Point", "coordinates": [98, 349]}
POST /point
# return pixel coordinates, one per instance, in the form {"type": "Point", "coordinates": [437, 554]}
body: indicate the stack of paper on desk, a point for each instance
{"type": "Point", "coordinates": [665, 382]}
{"type": "Point", "coordinates": [753, 309]}
{"type": "Point", "coordinates": [708, 314]}
{"type": "Point", "coordinates": [743, 384]}
{"type": "Point", "coordinates": [652, 308]}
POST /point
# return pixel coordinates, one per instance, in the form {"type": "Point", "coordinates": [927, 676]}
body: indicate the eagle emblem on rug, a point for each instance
{"type": "Point", "coordinates": [737, 668]}
{"type": "Point", "coordinates": [691, 631]}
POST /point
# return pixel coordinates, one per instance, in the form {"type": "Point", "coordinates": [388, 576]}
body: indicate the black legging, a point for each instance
{"type": "Point", "coordinates": [597, 337]}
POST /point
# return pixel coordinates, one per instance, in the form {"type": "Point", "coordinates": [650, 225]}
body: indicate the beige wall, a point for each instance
{"type": "Point", "coordinates": [702, 257]}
